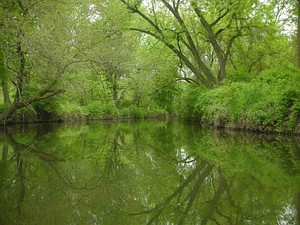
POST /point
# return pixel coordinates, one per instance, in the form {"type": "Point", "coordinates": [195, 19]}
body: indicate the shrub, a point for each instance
{"type": "Point", "coordinates": [136, 112]}
{"type": "Point", "coordinates": [99, 109]}
{"type": "Point", "coordinates": [185, 102]}
{"type": "Point", "coordinates": [271, 100]}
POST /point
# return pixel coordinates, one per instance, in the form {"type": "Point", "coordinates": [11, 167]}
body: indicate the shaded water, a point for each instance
{"type": "Point", "coordinates": [146, 173]}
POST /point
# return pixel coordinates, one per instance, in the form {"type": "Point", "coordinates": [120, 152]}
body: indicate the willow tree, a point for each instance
{"type": "Point", "coordinates": [200, 33]}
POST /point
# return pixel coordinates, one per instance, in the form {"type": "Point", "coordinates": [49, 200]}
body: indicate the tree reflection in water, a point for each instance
{"type": "Point", "coordinates": [146, 173]}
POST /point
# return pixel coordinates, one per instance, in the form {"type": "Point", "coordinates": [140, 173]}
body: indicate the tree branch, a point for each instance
{"type": "Point", "coordinates": [191, 45]}
{"type": "Point", "coordinates": [220, 17]}
{"type": "Point", "coordinates": [199, 69]}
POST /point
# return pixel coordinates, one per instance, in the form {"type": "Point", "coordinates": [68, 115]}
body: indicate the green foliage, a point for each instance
{"type": "Point", "coordinates": [99, 110]}
{"type": "Point", "coordinates": [164, 98]}
{"type": "Point", "coordinates": [47, 106]}
{"type": "Point", "coordinates": [72, 111]}
{"type": "Point", "coordinates": [185, 102]}
{"type": "Point", "coordinates": [142, 113]}
{"type": "Point", "coordinates": [3, 107]}
{"type": "Point", "coordinates": [271, 100]}
{"type": "Point", "coordinates": [109, 62]}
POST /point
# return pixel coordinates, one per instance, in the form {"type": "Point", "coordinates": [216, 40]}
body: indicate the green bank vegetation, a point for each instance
{"type": "Point", "coordinates": [229, 63]}
{"type": "Point", "coordinates": [267, 103]}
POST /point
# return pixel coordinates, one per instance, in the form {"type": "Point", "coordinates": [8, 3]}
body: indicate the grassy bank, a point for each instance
{"type": "Point", "coordinates": [270, 102]}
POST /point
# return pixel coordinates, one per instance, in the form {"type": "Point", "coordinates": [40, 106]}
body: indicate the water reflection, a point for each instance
{"type": "Point", "coordinates": [146, 173]}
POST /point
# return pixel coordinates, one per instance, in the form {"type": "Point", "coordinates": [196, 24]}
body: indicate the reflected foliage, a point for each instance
{"type": "Point", "coordinates": [146, 173]}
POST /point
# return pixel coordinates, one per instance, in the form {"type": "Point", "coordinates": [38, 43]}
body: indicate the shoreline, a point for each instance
{"type": "Point", "coordinates": [229, 126]}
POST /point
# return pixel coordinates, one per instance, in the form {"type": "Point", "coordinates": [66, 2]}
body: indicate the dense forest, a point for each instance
{"type": "Point", "coordinates": [228, 63]}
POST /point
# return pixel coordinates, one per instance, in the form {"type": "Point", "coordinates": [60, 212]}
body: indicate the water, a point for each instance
{"type": "Point", "coordinates": [146, 173]}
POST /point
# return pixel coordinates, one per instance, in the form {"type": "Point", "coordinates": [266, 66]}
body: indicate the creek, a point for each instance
{"type": "Point", "coordinates": [147, 172]}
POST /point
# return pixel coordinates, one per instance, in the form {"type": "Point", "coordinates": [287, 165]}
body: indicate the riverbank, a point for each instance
{"type": "Point", "coordinates": [218, 124]}
{"type": "Point", "coordinates": [269, 103]}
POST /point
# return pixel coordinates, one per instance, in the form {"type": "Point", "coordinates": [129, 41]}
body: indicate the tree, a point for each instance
{"type": "Point", "coordinates": [200, 34]}
{"type": "Point", "coordinates": [287, 14]}
{"type": "Point", "coordinates": [37, 48]}
{"type": "Point", "coordinates": [105, 44]}
{"type": "Point", "coordinates": [267, 44]}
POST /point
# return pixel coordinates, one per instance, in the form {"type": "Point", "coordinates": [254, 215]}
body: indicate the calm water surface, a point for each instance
{"type": "Point", "coordinates": [139, 173]}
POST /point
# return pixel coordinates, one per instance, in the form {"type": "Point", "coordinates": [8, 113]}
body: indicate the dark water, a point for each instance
{"type": "Point", "coordinates": [146, 173]}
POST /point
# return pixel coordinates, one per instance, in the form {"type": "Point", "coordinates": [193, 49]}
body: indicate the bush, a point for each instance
{"type": "Point", "coordinates": [100, 109]}
{"type": "Point", "coordinates": [72, 111]}
{"type": "Point", "coordinates": [136, 112]}
{"type": "Point", "coordinates": [185, 102]}
{"type": "Point", "coordinates": [271, 100]}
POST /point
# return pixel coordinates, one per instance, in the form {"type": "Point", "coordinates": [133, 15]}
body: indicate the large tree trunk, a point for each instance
{"type": "Point", "coordinates": [4, 84]}
{"type": "Point", "coordinates": [20, 78]}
